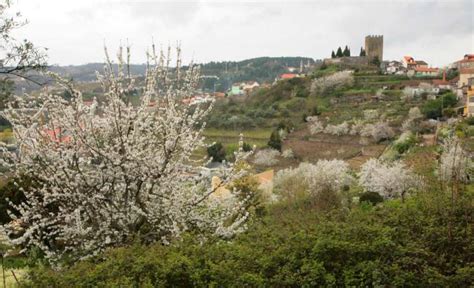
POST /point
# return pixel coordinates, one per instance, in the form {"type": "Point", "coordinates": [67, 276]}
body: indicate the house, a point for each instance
{"type": "Point", "coordinates": [236, 89]}
{"type": "Point", "coordinates": [426, 71]}
{"type": "Point", "coordinates": [466, 63]}
{"type": "Point", "coordinates": [408, 62]}
{"type": "Point", "coordinates": [393, 67]}
{"type": "Point", "coordinates": [249, 86]}
{"type": "Point", "coordinates": [442, 84]}
{"type": "Point", "coordinates": [469, 106]}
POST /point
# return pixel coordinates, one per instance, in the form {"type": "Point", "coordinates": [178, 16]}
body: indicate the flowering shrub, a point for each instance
{"type": "Point", "coordinates": [315, 126]}
{"type": "Point", "coordinates": [288, 153]}
{"type": "Point", "coordinates": [336, 80]}
{"type": "Point", "coordinates": [455, 164]}
{"type": "Point", "coordinates": [313, 179]}
{"type": "Point", "coordinates": [390, 180]}
{"type": "Point", "coordinates": [340, 129]}
{"type": "Point", "coordinates": [378, 131]}
{"type": "Point", "coordinates": [266, 157]}
{"type": "Point", "coordinates": [371, 114]}
{"type": "Point", "coordinates": [413, 121]}
{"type": "Point", "coordinates": [110, 170]}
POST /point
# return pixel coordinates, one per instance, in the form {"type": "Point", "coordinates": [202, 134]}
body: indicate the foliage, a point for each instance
{"type": "Point", "coordinates": [217, 152]}
{"type": "Point", "coordinates": [275, 140]}
{"type": "Point", "coordinates": [371, 197]}
{"type": "Point", "coordinates": [393, 244]}
{"type": "Point", "coordinates": [340, 129]}
{"type": "Point", "coordinates": [110, 171]}
{"type": "Point", "coordinates": [434, 108]}
{"type": "Point", "coordinates": [404, 142]}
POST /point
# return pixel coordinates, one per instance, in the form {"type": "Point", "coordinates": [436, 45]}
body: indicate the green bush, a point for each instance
{"type": "Point", "coordinates": [418, 243]}
{"type": "Point", "coordinates": [371, 197]}
{"type": "Point", "coordinates": [217, 152]}
{"type": "Point", "coordinates": [275, 140]}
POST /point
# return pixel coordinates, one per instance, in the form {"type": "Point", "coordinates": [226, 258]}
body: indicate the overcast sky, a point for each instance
{"type": "Point", "coordinates": [74, 31]}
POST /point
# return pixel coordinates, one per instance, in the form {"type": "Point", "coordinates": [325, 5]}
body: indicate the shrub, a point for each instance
{"type": "Point", "coordinates": [315, 126]}
{"type": "Point", "coordinates": [339, 130]}
{"type": "Point", "coordinates": [325, 84]}
{"type": "Point", "coordinates": [275, 140]}
{"type": "Point", "coordinates": [470, 120]}
{"type": "Point", "coordinates": [266, 157]}
{"type": "Point", "coordinates": [315, 180]}
{"type": "Point", "coordinates": [371, 197]}
{"type": "Point", "coordinates": [404, 142]}
{"type": "Point", "coordinates": [217, 152]}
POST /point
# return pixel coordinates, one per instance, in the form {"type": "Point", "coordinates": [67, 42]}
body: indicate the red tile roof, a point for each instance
{"type": "Point", "coordinates": [287, 76]}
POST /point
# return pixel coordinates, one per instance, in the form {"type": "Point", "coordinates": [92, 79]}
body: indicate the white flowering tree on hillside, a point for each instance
{"type": "Point", "coordinates": [390, 180]}
{"type": "Point", "coordinates": [455, 165]}
{"type": "Point", "coordinates": [106, 171]}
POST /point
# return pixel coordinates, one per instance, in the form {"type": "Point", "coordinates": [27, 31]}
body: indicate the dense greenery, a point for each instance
{"type": "Point", "coordinates": [434, 108]}
{"type": "Point", "coordinates": [217, 152]}
{"type": "Point", "coordinates": [425, 242]}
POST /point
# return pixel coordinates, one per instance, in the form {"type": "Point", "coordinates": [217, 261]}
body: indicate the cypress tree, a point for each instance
{"type": "Point", "coordinates": [339, 52]}
{"type": "Point", "coordinates": [333, 55]}
{"type": "Point", "coordinates": [346, 52]}
{"type": "Point", "coordinates": [362, 52]}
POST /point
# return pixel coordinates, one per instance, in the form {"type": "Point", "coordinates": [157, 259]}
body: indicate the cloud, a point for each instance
{"type": "Point", "coordinates": [437, 31]}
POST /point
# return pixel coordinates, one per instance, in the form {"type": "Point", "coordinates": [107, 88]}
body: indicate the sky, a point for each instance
{"type": "Point", "coordinates": [75, 31]}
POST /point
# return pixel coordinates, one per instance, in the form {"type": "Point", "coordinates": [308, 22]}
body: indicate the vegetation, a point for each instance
{"type": "Point", "coordinates": [425, 241]}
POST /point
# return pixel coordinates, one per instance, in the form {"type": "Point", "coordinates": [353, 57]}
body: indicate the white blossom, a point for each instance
{"type": "Point", "coordinates": [108, 171]}
{"type": "Point", "coordinates": [390, 180]}
{"type": "Point", "coordinates": [333, 81]}
{"type": "Point", "coordinates": [455, 163]}
{"type": "Point", "coordinates": [315, 125]}
{"type": "Point", "coordinates": [311, 179]}
{"type": "Point", "coordinates": [287, 153]}
{"type": "Point", "coordinates": [340, 129]}
{"type": "Point", "coordinates": [266, 157]}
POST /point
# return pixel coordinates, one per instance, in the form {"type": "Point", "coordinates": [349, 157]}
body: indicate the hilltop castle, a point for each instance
{"type": "Point", "coordinates": [373, 52]}
{"type": "Point", "coordinates": [374, 47]}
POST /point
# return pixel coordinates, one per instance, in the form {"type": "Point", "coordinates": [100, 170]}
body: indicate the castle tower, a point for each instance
{"type": "Point", "coordinates": [374, 47]}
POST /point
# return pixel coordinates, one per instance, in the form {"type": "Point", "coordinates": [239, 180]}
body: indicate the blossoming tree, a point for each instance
{"type": "Point", "coordinates": [106, 171]}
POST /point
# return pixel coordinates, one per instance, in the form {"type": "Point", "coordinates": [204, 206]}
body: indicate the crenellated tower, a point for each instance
{"type": "Point", "coordinates": [374, 47]}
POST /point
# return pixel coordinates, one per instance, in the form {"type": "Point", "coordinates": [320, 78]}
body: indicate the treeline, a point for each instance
{"type": "Point", "coordinates": [346, 52]}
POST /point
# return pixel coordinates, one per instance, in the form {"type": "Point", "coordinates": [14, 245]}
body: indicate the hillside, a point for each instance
{"type": "Point", "coordinates": [217, 76]}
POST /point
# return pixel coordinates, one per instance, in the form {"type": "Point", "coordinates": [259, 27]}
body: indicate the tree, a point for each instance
{"type": "Point", "coordinates": [18, 57]}
{"type": "Point", "coordinates": [454, 164]}
{"type": "Point", "coordinates": [339, 52]}
{"type": "Point", "coordinates": [217, 152]}
{"type": "Point", "coordinates": [375, 61]}
{"type": "Point", "coordinates": [111, 171]}
{"type": "Point", "coordinates": [266, 157]}
{"type": "Point", "coordinates": [275, 140]}
{"type": "Point", "coordinates": [333, 55]}
{"type": "Point", "coordinates": [362, 52]}
{"type": "Point", "coordinates": [346, 52]}
{"type": "Point", "coordinates": [390, 180]}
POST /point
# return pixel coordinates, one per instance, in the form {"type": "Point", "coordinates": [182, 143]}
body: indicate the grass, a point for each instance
{"type": "Point", "coordinates": [10, 279]}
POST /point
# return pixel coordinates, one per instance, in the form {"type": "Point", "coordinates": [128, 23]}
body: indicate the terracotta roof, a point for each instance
{"type": "Point", "coordinates": [408, 58]}
{"type": "Point", "coordinates": [421, 62]}
{"type": "Point", "coordinates": [287, 76]}
{"type": "Point", "coordinates": [426, 69]}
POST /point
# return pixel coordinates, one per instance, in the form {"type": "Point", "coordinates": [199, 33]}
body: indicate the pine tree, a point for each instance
{"type": "Point", "coordinates": [333, 55]}
{"type": "Point", "coordinates": [362, 52]}
{"type": "Point", "coordinates": [339, 52]}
